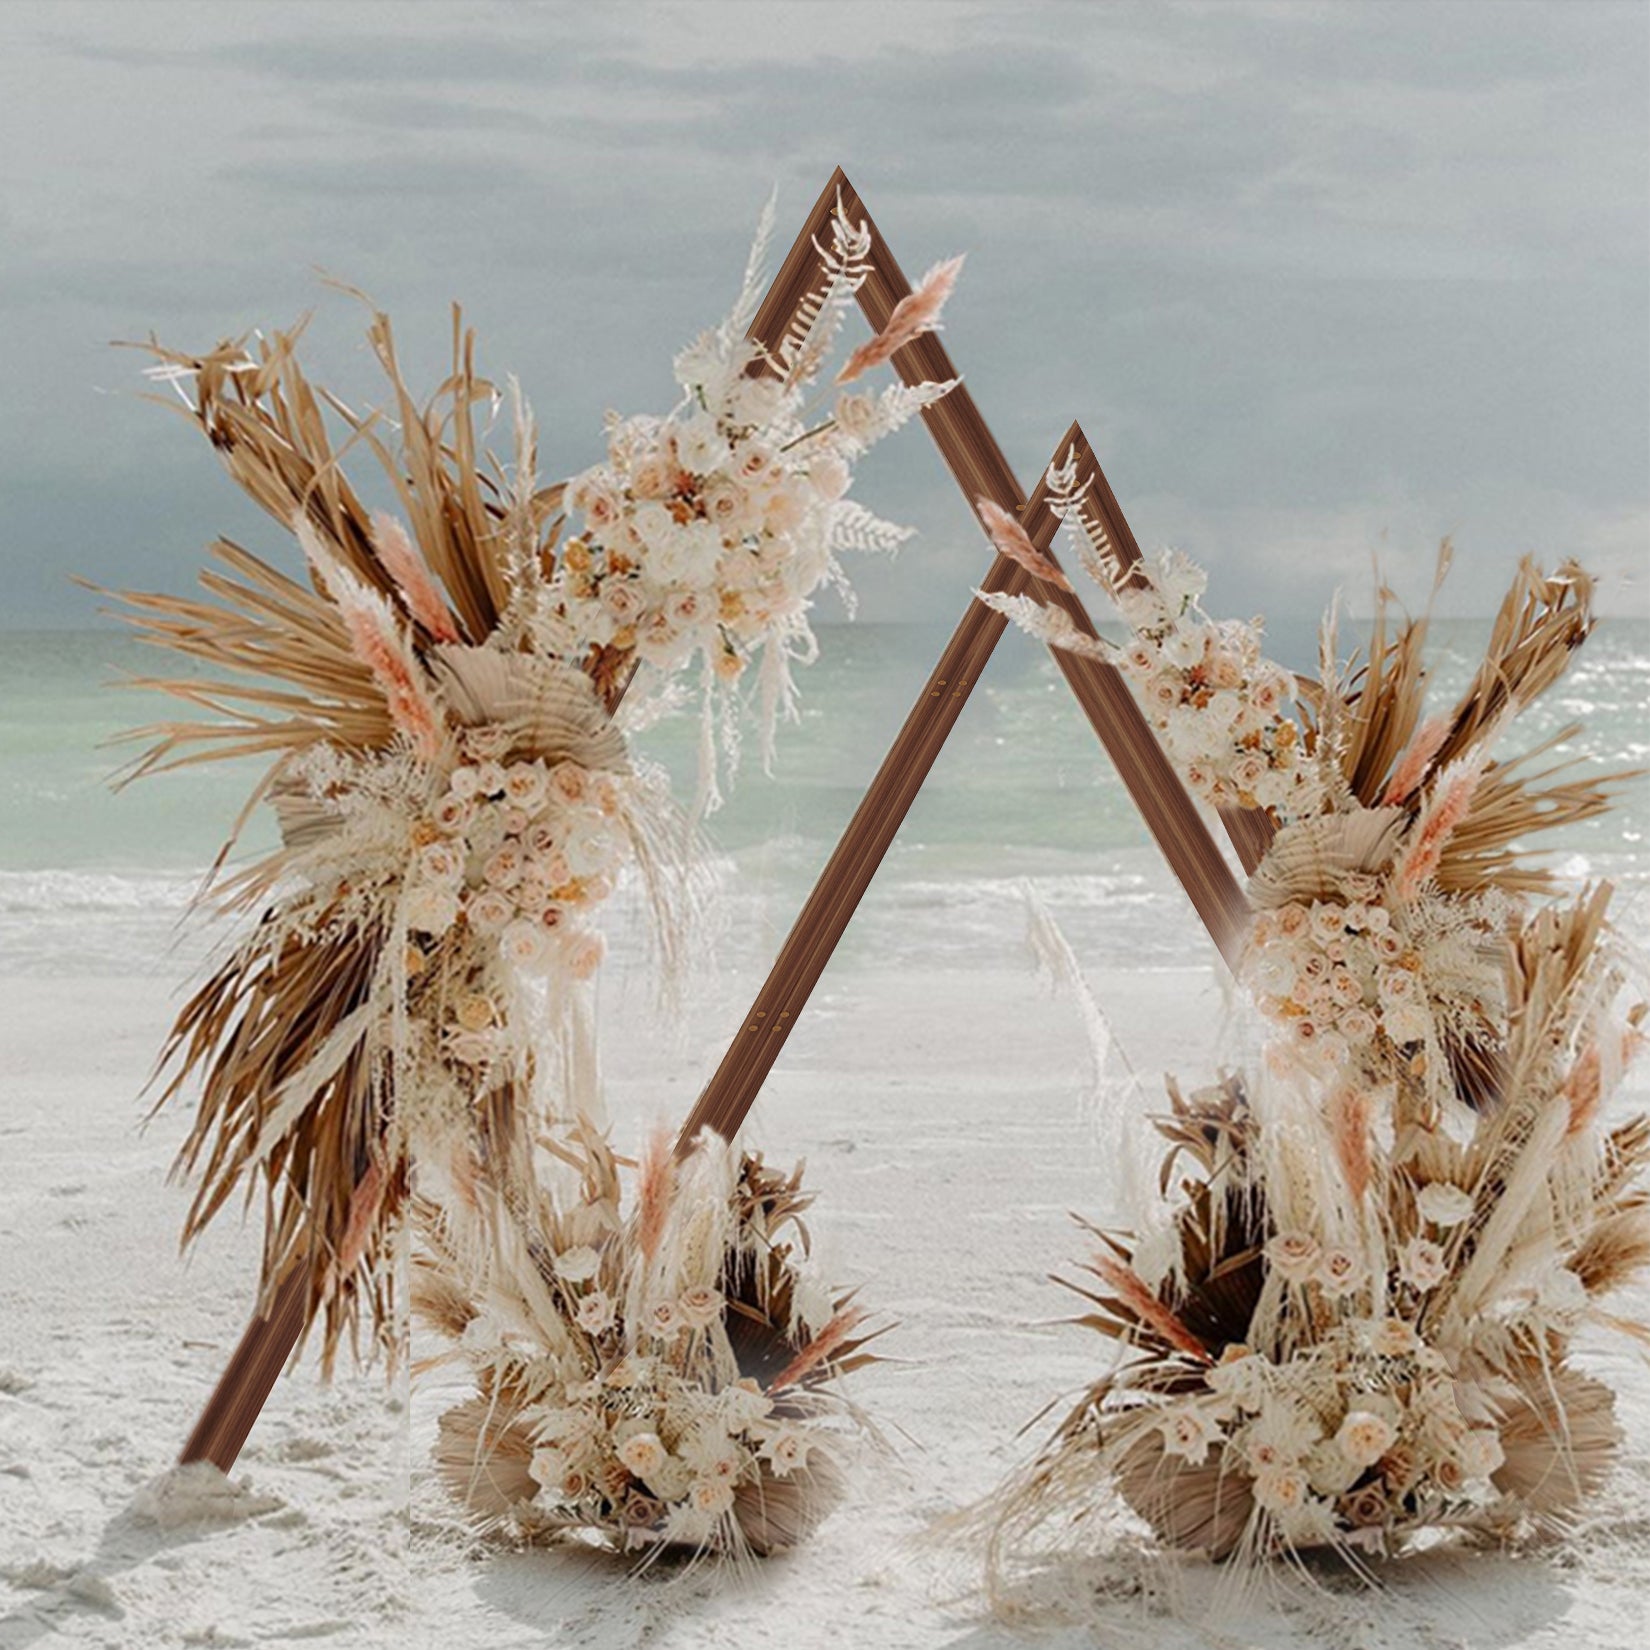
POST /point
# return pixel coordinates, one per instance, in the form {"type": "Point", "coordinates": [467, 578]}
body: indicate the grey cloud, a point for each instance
{"type": "Point", "coordinates": [1309, 274]}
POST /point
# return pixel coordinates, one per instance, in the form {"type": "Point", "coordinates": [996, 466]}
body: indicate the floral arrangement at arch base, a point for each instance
{"type": "Point", "coordinates": [445, 697]}
{"type": "Point", "coordinates": [1352, 1321]}
{"type": "Point", "coordinates": [654, 1378]}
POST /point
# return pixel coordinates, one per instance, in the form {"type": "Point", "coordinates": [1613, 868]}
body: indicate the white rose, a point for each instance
{"type": "Point", "coordinates": [525, 785]}
{"type": "Point", "coordinates": [643, 1453]}
{"type": "Point", "coordinates": [490, 911]}
{"type": "Point", "coordinates": [1280, 1489]}
{"type": "Point", "coordinates": [700, 445]}
{"type": "Point", "coordinates": [786, 1450]}
{"type": "Point", "coordinates": [1363, 1437]}
{"type": "Point", "coordinates": [1444, 1204]}
{"type": "Point", "coordinates": [431, 910]}
{"type": "Point", "coordinates": [527, 946]}
{"type": "Point", "coordinates": [1294, 1255]}
{"type": "Point", "coordinates": [578, 1265]}
{"type": "Point", "coordinates": [595, 1315]}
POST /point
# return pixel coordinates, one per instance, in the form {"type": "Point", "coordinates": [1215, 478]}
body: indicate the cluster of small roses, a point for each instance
{"type": "Point", "coordinates": [1219, 705]}
{"type": "Point", "coordinates": [706, 533]}
{"type": "Point", "coordinates": [696, 540]}
{"type": "Point", "coordinates": [638, 1439]}
{"type": "Point", "coordinates": [519, 851]}
{"type": "Point", "coordinates": [1336, 974]}
{"type": "Point", "coordinates": [1353, 1442]}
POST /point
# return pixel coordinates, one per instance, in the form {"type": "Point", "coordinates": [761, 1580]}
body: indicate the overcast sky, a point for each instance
{"type": "Point", "coordinates": [1323, 282]}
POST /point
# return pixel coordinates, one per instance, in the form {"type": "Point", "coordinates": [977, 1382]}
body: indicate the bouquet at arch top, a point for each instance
{"type": "Point", "coordinates": [438, 693]}
{"type": "Point", "coordinates": [1352, 1319]}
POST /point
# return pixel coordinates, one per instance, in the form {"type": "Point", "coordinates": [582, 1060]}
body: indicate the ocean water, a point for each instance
{"type": "Point", "coordinates": [94, 880]}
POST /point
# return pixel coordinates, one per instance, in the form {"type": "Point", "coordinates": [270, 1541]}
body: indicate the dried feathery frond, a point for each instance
{"type": "Point", "coordinates": [1144, 1306]}
{"type": "Point", "coordinates": [1009, 538]}
{"type": "Point", "coordinates": [918, 312]}
{"type": "Point", "coordinates": [377, 641]}
{"type": "Point", "coordinates": [1416, 761]}
{"type": "Point", "coordinates": [424, 604]}
{"type": "Point", "coordinates": [1446, 808]}
{"type": "Point", "coordinates": [1052, 626]}
{"type": "Point", "coordinates": [1542, 620]}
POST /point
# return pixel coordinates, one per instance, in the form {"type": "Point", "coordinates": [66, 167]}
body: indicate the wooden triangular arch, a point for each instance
{"type": "Point", "coordinates": [980, 469]}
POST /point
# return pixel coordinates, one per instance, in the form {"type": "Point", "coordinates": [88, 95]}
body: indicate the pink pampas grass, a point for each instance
{"type": "Point", "coordinates": [1010, 539]}
{"type": "Point", "coordinates": [412, 578]}
{"type": "Point", "coordinates": [913, 315]}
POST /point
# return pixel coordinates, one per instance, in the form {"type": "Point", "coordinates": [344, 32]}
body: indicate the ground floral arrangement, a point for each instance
{"type": "Point", "coordinates": [663, 1376]}
{"type": "Point", "coordinates": [399, 1035]}
{"type": "Point", "coordinates": [1352, 1322]}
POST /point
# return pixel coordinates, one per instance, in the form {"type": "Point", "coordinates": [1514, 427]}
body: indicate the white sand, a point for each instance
{"type": "Point", "coordinates": [941, 1119]}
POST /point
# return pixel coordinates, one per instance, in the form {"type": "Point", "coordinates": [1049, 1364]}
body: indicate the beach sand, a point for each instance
{"type": "Point", "coordinates": [943, 1118]}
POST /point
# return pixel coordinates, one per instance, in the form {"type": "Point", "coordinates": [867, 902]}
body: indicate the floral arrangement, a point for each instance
{"type": "Point", "coordinates": [440, 703]}
{"type": "Point", "coordinates": [657, 1378]}
{"type": "Point", "coordinates": [1353, 1321]}
{"type": "Point", "coordinates": [1220, 708]}
{"type": "Point", "coordinates": [705, 534]}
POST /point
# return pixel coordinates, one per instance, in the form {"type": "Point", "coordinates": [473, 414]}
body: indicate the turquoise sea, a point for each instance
{"type": "Point", "coordinates": [96, 881]}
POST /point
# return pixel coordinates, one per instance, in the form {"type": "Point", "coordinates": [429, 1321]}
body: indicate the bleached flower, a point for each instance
{"type": "Point", "coordinates": [583, 954]}
{"type": "Point", "coordinates": [440, 862]}
{"type": "Point", "coordinates": [1328, 920]}
{"type": "Point", "coordinates": [1294, 1255]}
{"type": "Point", "coordinates": [1311, 1524]}
{"type": "Point", "coordinates": [1393, 1338]}
{"type": "Point", "coordinates": [548, 1468]}
{"type": "Point", "coordinates": [490, 777]}
{"type": "Point", "coordinates": [1443, 1204]}
{"type": "Point", "coordinates": [1357, 1025]}
{"type": "Point", "coordinates": [1188, 1429]}
{"type": "Point", "coordinates": [452, 813]}
{"type": "Point", "coordinates": [490, 911]}
{"type": "Point", "coordinates": [475, 1012]}
{"type": "Point", "coordinates": [665, 1320]}
{"type": "Point", "coordinates": [1280, 1435]}
{"type": "Point", "coordinates": [643, 1454]}
{"type": "Point", "coordinates": [786, 1450]}
{"type": "Point", "coordinates": [1280, 1489]}
{"type": "Point", "coordinates": [1328, 1469]}
{"type": "Point", "coordinates": [1340, 1271]}
{"type": "Point", "coordinates": [503, 869]}
{"type": "Point", "coordinates": [1364, 1437]}
{"type": "Point", "coordinates": [578, 1265]}
{"type": "Point", "coordinates": [1241, 1375]}
{"type": "Point", "coordinates": [431, 910]}
{"type": "Point", "coordinates": [595, 1313]}
{"type": "Point", "coordinates": [1479, 1451]}
{"type": "Point", "coordinates": [1422, 1263]}
{"type": "Point", "coordinates": [712, 1497]}
{"type": "Point", "coordinates": [527, 945]}
{"type": "Point", "coordinates": [700, 1306]}
{"type": "Point", "coordinates": [856, 416]}
{"type": "Point", "coordinates": [525, 785]}
{"type": "Point", "coordinates": [570, 782]}
{"type": "Point", "coordinates": [464, 783]}
{"type": "Point", "coordinates": [700, 445]}
{"type": "Point", "coordinates": [1293, 920]}
{"type": "Point", "coordinates": [745, 1403]}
